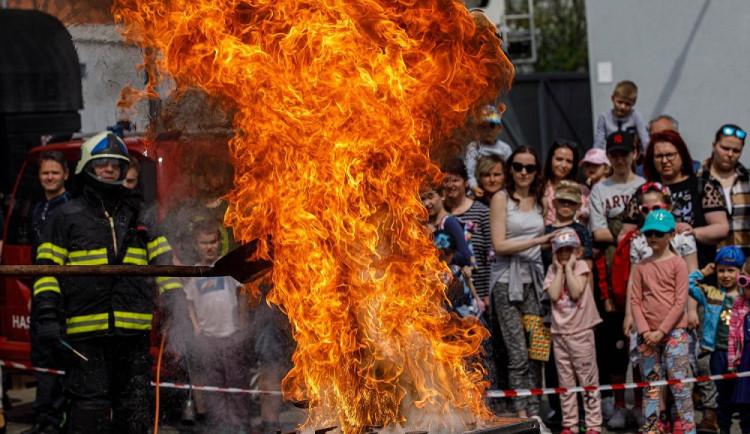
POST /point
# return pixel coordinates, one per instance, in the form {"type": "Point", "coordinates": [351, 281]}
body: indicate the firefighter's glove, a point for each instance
{"type": "Point", "coordinates": [49, 331]}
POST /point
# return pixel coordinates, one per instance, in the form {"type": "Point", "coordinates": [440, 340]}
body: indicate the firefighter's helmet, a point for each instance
{"type": "Point", "coordinates": [100, 150]}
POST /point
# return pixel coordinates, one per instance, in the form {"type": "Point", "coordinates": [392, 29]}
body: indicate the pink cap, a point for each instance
{"type": "Point", "coordinates": [596, 156]}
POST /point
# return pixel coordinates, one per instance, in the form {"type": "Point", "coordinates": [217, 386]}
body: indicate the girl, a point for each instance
{"type": "Point", "coordinates": [596, 166]}
{"type": "Point", "coordinates": [517, 275]}
{"type": "Point", "coordinates": [658, 302]}
{"type": "Point", "coordinates": [574, 316]}
{"type": "Point", "coordinates": [652, 196]}
{"type": "Point", "coordinates": [739, 351]}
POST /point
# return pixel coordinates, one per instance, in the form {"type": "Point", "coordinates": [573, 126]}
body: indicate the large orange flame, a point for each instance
{"type": "Point", "coordinates": [338, 104]}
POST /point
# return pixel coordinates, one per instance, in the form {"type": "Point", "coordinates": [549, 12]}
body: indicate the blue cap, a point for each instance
{"type": "Point", "coordinates": [731, 256]}
{"type": "Point", "coordinates": [659, 220]}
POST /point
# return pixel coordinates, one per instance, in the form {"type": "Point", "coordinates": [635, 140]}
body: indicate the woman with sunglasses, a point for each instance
{"type": "Point", "coordinates": [724, 167]}
{"type": "Point", "coordinates": [517, 275]}
{"type": "Point", "coordinates": [562, 163]}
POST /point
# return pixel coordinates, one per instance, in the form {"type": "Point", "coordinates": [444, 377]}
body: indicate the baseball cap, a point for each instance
{"type": "Point", "coordinates": [568, 190]}
{"type": "Point", "coordinates": [489, 114]}
{"type": "Point", "coordinates": [565, 237]}
{"type": "Point", "coordinates": [596, 156]}
{"type": "Point", "coordinates": [731, 256]}
{"type": "Point", "coordinates": [659, 220]}
{"type": "Point", "coordinates": [620, 141]}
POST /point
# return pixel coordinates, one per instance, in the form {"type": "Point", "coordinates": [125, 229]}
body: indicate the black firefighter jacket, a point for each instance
{"type": "Point", "coordinates": [86, 232]}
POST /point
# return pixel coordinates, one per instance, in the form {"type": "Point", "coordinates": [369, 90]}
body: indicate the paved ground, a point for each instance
{"type": "Point", "coordinates": [19, 418]}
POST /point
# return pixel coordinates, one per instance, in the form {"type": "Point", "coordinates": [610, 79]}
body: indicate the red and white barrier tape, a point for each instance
{"type": "Point", "coordinates": [558, 390]}
{"type": "Point", "coordinates": [489, 393]}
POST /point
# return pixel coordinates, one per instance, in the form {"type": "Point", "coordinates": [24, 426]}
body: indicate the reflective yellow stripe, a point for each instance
{"type": "Point", "coordinates": [133, 320]}
{"type": "Point", "coordinates": [135, 256]}
{"type": "Point", "coordinates": [46, 284]}
{"type": "Point", "coordinates": [167, 283]}
{"type": "Point", "coordinates": [54, 253]}
{"type": "Point", "coordinates": [158, 246]}
{"type": "Point", "coordinates": [89, 257]}
{"type": "Point", "coordinates": [87, 323]}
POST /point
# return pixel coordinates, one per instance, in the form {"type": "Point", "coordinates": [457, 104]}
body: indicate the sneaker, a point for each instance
{"type": "Point", "coordinates": [542, 427]}
{"type": "Point", "coordinates": [608, 407]}
{"type": "Point", "coordinates": [619, 419]}
{"type": "Point", "coordinates": [566, 430]}
{"type": "Point", "coordinates": [677, 427]}
{"type": "Point", "coordinates": [591, 431]}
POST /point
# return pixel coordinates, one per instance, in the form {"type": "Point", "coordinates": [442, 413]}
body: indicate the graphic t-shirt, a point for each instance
{"type": "Point", "coordinates": [722, 328]}
{"type": "Point", "coordinates": [215, 301]}
{"type": "Point", "coordinates": [608, 200]}
{"type": "Point", "coordinates": [568, 315]}
{"type": "Point", "coordinates": [691, 200]}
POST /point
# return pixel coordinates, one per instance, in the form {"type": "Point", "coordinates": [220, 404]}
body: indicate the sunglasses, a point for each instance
{"type": "Point", "coordinates": [646, 209]}
{"type": "Point", "coordinates": [518, 167]}
{"type": "Point", "coordinates": [732, 131]}
{"type": "Point", "coordinates": [743, 281]}
{"type": "Point", "coordinates": [655, 234]}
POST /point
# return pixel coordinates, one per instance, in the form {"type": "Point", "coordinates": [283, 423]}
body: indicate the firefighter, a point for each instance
{"type": "Point", "coordinates": [105, 318]}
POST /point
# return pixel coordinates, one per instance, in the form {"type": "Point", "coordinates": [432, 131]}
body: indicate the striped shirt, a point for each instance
{"type": "Point", "coordinates": [479, 214]}
{"type": "Point", "coordinates": [739, 194]}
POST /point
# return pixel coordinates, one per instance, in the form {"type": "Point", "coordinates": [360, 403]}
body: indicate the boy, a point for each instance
{"type": "Point", "coordinates": [216, 310]}
{"type": "Point", "coordinates": [487, 143]}
{"type": "Point", "coordinates": [717, 304]}
{"type": "Point", "coordinates": [566, 203]}
{"type": "Point", "coordinates": [622, 117]}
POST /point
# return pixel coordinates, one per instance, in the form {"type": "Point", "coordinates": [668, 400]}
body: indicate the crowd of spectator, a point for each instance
{"type": "Point", "coordinates": [635, 260]}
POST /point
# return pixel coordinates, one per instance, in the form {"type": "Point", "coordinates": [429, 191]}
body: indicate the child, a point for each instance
{"type": "Point", "coordinates": [658, 303]}
{"type": "Point", "coordinates": [622, 117]}
{"type": "Point", "coordinates": [652, 196]}
{"type": "Point", "coordinates": [717, 304]}
{"type": "Point", "coordinates": [487, 143]}
{"type": "Point", "coordinates": [596, 166]}
{"type": "Point", "coordinates": [567, 201]}
{"type": "Point", "coordinates": [450, 238]}
{"type": "Point", "coordinates": [216, 311]}
{"type": "Point", "coordinates": [574, 316]}
{"type": "Point", "coordinates": [739, 352]}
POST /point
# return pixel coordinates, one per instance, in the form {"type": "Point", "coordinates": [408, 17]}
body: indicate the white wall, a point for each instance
{"type": "Point", "coordinates": [689, 58]}
{"type": "Point", "coordinates": [109, 65]}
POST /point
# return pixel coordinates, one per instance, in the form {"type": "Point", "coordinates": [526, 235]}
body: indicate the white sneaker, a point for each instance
{"type": "Point", "coordinates": [608, 407]}
{"type": "Point", "coordinates": [542, 427]}
{"type": "Point", "coordinates": [619, 419]}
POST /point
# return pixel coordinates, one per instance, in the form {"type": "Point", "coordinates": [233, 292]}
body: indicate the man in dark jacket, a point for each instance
{"type": "Point", "coordinates": [105, 318]}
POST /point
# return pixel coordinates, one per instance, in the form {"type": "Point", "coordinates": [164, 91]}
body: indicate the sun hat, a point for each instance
{"type": "Point", "coordinates": [565, 237]}
{"type": "Point", "coordinates": [731, 256]}
{"type": "Point", "coordinates": [568, 190]}
{"type": "Point", "coordinates": [596, 156]}
{"type": "Point", "coordinates": [659, 220]}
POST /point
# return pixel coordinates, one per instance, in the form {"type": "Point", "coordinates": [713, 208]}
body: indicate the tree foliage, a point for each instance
{"type": "Point", "coordinates": [561, 35]}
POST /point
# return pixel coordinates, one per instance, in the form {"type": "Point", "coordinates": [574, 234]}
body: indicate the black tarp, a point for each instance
{"type": "Point", "coordinates": [40, 86]}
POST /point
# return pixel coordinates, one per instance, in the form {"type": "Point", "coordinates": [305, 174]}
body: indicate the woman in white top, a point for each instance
{"type": "Point", "coordinates": [516, 226]}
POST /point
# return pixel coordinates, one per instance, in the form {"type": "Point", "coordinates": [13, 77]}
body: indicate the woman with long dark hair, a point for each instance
{"type": "Point", "coordinates": [517, 225]}
{"type": "Point", "coordinates": [562, 163]}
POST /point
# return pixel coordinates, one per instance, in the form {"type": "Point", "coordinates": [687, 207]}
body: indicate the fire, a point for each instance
{"type": "Point", "coordinates": [337, 106]}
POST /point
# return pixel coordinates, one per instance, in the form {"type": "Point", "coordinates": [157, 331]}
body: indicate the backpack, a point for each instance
{"type": "Point", "coordinates": [613, 277]}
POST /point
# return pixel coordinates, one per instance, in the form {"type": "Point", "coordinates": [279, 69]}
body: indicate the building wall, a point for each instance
{"type": "Point", "coordinates": [689, 58]}
{"type": "Point", "coordinates": [107, 65]}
